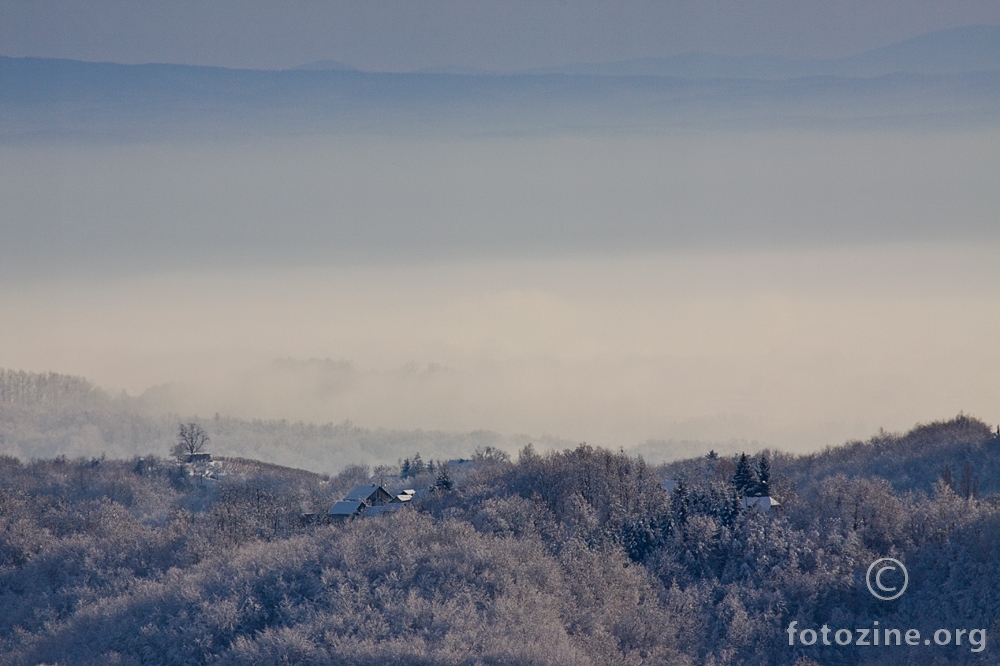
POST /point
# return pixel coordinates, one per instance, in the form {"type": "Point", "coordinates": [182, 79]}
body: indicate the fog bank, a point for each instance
{"type": "Point", "coordinates": [796, 349]}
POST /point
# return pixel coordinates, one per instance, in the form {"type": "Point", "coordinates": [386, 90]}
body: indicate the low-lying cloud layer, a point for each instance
{"type": "Point", "coordinates": [791, 348]}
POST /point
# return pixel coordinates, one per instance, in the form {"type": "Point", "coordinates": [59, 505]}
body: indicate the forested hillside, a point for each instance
{"type": "Point", "coordinates": [45, 415]}
{"type": "Point", "coordinates": [571, 557]}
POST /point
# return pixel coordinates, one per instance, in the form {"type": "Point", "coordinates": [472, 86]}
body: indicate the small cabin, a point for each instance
{"type": "Point", "coordinates": [369, 501]}
{"type": "Point", "coordinates": [345, 509]}
{"type": "Point", "coordinates": [762, 504]}
{"type": "Point", "coordinates": [669, 485]}
{"type": "Point", "coordinates": [370, 495]}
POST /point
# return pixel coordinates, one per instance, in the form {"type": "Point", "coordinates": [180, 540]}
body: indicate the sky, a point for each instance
{"type": "Point", "coordinates": [280, 201]}
{"type": "Point", "coordinates": [401, 35]}
{"type": "Point", "coordinates": [790, 287]}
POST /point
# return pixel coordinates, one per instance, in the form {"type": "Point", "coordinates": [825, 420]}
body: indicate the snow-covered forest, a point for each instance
{"type": "Point", "coordinates": [573, 556]}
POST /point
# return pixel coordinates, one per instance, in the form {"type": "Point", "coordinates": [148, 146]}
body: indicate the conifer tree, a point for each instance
{"type": "Point", "coordinates": [764, 477]}
{"type": "Point", "coordinates": [745, 478]}
{"type": "Point", "coordinates": [679, 502]}
{"type": "Point", "coordinates": [444, 481]}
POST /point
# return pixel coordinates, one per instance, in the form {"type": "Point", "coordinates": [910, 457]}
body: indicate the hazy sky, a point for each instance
{"type": "Point", "coordinates": [797, 287]}
{"type": "Point", "coordinates": [401, 35]}
{"type": "Point", "coordinates": [110, 209]}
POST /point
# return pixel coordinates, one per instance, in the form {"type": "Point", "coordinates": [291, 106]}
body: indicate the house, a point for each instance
{"type": "Point", "coordinates": [368, 501]}
{"type": "Point", "coordinates": [345, 509]}
{"type": "Point", "coordinates": [370, 495]}
{"type": "Point", "coordinates": [669, 485]}
{"type": "Point", "coordinates": [403, 497]}
{"type": "Point", "coordinates": [762, 504]}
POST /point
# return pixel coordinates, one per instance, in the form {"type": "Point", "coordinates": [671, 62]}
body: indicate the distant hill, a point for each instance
{"type": "Point", "coordinates": [325, 65]}
{"type": "Point", "coordinates": [915, 460]}
{"type": "Point", "coordinates": [968, 49]}
{"type": "Point", "coordinates": [955, 51]}
{"type": "Point", "coordinates": [962, 452]}
{"type": "Point", "coordinates": [45, 415]}
{"type": "Point", "coordinates": [52, 99]}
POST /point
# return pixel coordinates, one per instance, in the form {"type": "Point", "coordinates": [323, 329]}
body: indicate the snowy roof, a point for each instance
{"type": "Point", "coordinates": [361, 493]}
{"type": "Point", "coordinates": [760, 503]}
{"type": "Point", "coordinates": [669, 485]}
{"type": "Point", "coordinates": [346, 508]}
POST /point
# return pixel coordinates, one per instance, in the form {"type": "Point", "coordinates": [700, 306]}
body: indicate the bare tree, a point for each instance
{"type": "Point", "coordinates": [491, 455]}
{"type": "Point", "coordinates": [191, 439]}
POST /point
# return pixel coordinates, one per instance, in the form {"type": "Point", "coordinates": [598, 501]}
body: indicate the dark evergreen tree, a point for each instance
{"type": "Point", "coordinates": [679, 502]}
{"type": "Point", "coordinates": [745, 478]}
{"type": "Point", "coordinates": [947, 478]}
{"type": "Point", "coordinates": [444, 480]}
{"type": "Point", "coordinates": [970, 483]}
{"type": "Point", "coordinates": [416, 465]}
{"type": "Point", "coordinates": [763, 477]}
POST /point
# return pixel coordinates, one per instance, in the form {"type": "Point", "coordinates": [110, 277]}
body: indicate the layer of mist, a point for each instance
{"type": "Point", "coordinates": [794, 349]}
{"type": "Point", "coordinates": [116, 210]}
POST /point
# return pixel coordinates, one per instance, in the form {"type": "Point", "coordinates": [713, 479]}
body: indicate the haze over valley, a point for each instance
{"type": "Point", "coordinates": [792, 252]}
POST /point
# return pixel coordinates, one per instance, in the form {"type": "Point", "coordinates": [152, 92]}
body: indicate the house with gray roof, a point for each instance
{"type": "Point", "coordinates": [345, 509]}
{"type": "Point", "coordinates": [368, 501]}
{"type": "Point", "coordinates": [370, 495]}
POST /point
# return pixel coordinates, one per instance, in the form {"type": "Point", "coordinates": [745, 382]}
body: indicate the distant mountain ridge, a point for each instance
{"type": "Point", "coordinates": [945, 79]}
{"type": "Point", "coordinates": [46, 99]}
{"type": "Point", "coordinates": [325, 65]}
{"type": "Point", "coordinates": [952, 51]}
